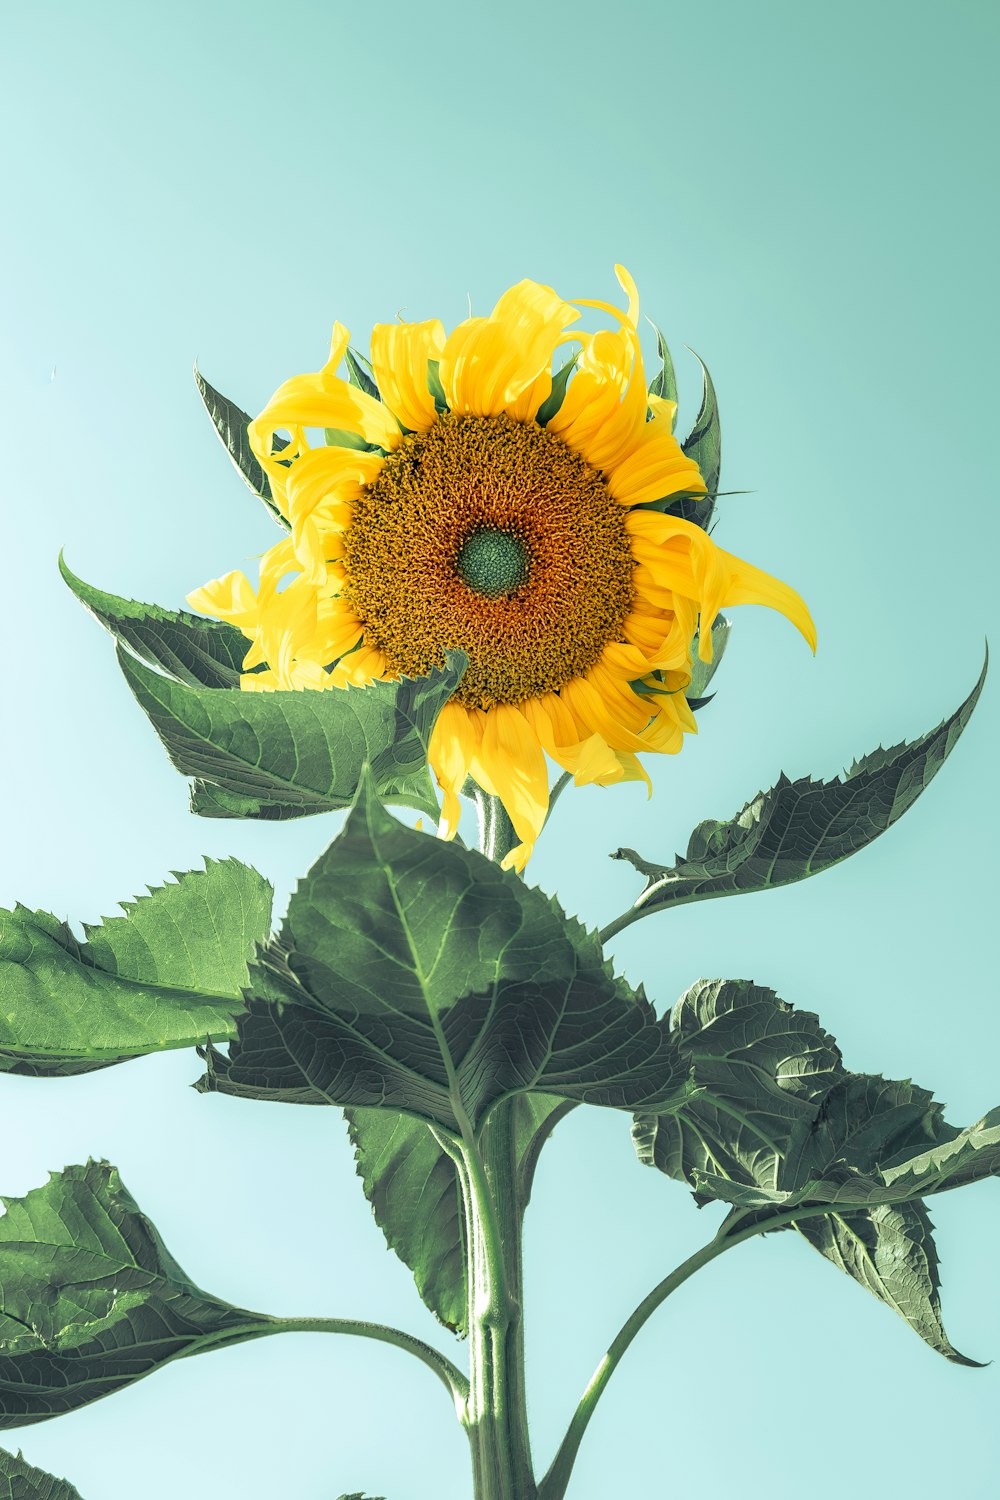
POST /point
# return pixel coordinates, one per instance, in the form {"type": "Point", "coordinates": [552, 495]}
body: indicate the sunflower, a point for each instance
{"type": "Point", "coordinates": [465, 496]}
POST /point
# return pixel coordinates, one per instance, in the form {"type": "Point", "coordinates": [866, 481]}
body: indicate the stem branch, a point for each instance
{"type": "Point", "coordinates": [553, 1486]}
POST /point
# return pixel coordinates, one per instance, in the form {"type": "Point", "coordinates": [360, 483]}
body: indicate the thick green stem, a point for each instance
{"type": "Point", "coordinates": [496, 1411]}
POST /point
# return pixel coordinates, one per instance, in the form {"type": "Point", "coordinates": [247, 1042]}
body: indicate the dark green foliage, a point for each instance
{"type": "Point", "coordinates": [92, 1299]}
{"type": "Point", "coordinates": [19, 1481]}
{"type": "Point", "coordinates": [230, 422]}
{"type": "Point", "coordinates": [774, 1123]}
{"type": "Point", "coordinates": [417, 976]}
{"type": "Point", "coordinates": [799, 828]}
{"type": "Point", "coordinates": [200, 652]}
{"type": "Point", "coordinates": [289, 754]}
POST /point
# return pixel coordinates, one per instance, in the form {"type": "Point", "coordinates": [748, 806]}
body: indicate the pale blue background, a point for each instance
{"type": "Point", "coordinates": [804, 195]}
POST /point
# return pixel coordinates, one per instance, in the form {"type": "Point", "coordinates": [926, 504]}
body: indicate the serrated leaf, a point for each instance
{"type": "Point", "coordinates": [415, 975]}
{"type": "Point", "coordinates": [167, 974]}
{"type": "Point", "coordinates": [192, 649]}
{"type": "Point", "coordinates": [890, 1250]}
{"type": "Point", "coordinates": [20, 1481]}
{"type": "Point", "coordinates": [756, 1069]}
{"type": "Point", "coordinates": [291, 754]}
{"type": "Point", "coordinates": [799, 828]}
{"type": "Point", "coordinates": [413, 1188]}
{"type": "Point", "coordinates": [231, 422]}
{"type": "Point", "coordinates": [92, 1300]}
{"type": "Point", "coordinates": [774, 1126]}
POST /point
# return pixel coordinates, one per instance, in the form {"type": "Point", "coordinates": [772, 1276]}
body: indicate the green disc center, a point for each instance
{"type": "Point", "coordinates": [493, 562]}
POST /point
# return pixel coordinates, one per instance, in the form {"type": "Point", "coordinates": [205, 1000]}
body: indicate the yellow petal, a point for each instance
{"type": "Point", "coordinates": [510, 763]}
{"type": "Point", "coordinates": [503, 363]}
{"type": "Point", "coordinates": [453, 744]}
{"type": "Point", "coordinates": [400, 352]}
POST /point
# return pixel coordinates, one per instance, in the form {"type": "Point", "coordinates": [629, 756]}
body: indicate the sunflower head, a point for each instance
{"type": "Point", "coordinates": [469, 497]}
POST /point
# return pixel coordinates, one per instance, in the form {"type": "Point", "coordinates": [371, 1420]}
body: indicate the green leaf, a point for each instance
{"type": "Point", "coordinates": [891, 1251]}
{"type": "Point", "coordinates": [702, 672]}
{"type": "Point", "coordinates": [357, 1495]}
{"type": "Point", "coordinates": [413, 1188]}
{"type": "Point", "coordinates": [288, 754]}
{"type": "Point", "coordinates": [799, 828]}
{"type": "Point", "coordinates": [361, 374]}
{"type": "Point", "coordinates": [773, 1125]}
{"type": "Point", "coordinates": [231, 423]}
{"type": "Point", "coordinates": [434, 385]}
{"type": "Point", "coordinates": [19, 1481]}
{"type": "Point", "coordinates": [704, 442]}
{"type": "Point", "coordinates": [664, 383]}
{"type": "Point", "coordinates": [757, 1068]}
{"type": "Point", "coordinates": [167, 974]}
{"type": "Point", "coordinates": [415, 975]}
{"type": "Point", "coordinates": [557, 395]}
{"type": "Point", "coordinates": [92, 1300]}
{"type": "Point", "coordinates": [194, 650]}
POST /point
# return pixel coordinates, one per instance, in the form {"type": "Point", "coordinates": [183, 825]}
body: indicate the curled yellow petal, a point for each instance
{"type": "Point", "coordinates": [400, 355]}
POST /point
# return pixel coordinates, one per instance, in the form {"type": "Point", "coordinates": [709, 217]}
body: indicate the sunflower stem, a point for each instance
{"type": "Point", "coordinates": [495, 1414]}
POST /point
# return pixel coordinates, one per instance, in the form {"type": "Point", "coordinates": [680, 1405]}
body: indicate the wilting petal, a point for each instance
{"type": "Point", "coordinates": [400, 354]}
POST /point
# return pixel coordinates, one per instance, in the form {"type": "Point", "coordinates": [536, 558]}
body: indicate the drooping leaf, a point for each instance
{"type": "Point", "coordinates": [91, 1300]}
{"type": "Point", "coordinates": [774, 1126]}
{"type": "Point", "coordinates": [201, 652]}
{"type": "Point", "coordinates": [412, 1186]}
{"type": "Point", "coordinates": [280, 755]}
{"type": "Point", "coordinates": [19, 1481]}
{"type": "Point", "coordinates": [757, 1068]}
{"type": "Point", "coordinates": [891, 1251]}
{"type": "Point", "coordinates": [799, 828]}
{"type": "Point", "coordinates": [415, 975]}
{"type": "Point", "coordinates": [167, 974]}
{"type": "Point", "coordinates": [231, 423]}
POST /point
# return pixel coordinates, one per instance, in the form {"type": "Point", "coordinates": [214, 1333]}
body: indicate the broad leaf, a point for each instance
{"type": "Point", "coordinates": [417, 976]}
{"type": "Point", "coordinates": [757, 1068]}
{"type": "Point", "coordinates": [891, 1251]}
{"type": "Point", "coordinates": [204, 653]}
{"type": "Point", "coordinates": [773, 1125]}
{"type": "Point", "coordinates": [230, 422]}
{"type": "Point", "coordinates": [280, 755]}
{"type": "Point", "coordinates": [169, 973]}
{"type": "Point", "coordinates": [799, 828]}
{"type": "Point", "coordinates": [92, 1300]}
{"type": "Point", "coordinates": [19, 1481]}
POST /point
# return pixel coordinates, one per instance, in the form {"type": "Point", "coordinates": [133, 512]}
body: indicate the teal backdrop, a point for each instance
{"type": "Point", "coordinates": [805, 196]}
